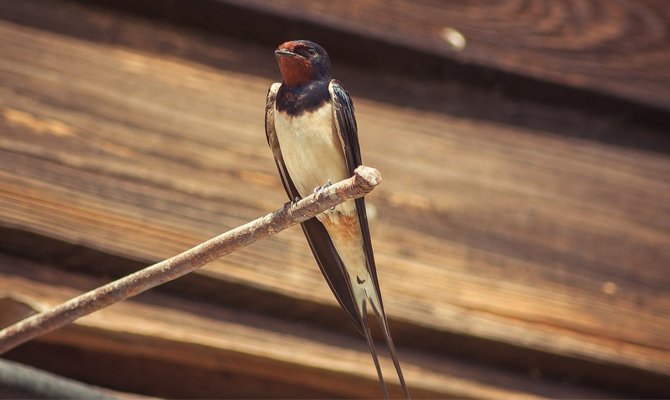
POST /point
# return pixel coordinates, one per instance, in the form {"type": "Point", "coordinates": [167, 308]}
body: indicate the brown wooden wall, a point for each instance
{"type": "Point", "coordinates": [522, 231]}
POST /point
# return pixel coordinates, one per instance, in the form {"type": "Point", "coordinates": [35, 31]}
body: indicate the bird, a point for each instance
{"type": "Point", "coordinates": [312, 132]}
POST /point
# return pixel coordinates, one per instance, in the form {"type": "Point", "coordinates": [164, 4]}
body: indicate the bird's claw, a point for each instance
{"type": "Point", "coordinates": [319, 188]}
{"type": "Point", "coordinates": [291, 202]}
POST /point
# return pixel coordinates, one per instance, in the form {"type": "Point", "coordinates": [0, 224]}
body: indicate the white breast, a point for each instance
{"type": "Point", "coordinates": [313, 155]}
{"type": "Point", "coordinates": [311, 148]}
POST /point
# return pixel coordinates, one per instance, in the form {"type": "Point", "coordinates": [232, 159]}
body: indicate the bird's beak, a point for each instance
{"type": "Point", "coordinates": [286, 53]}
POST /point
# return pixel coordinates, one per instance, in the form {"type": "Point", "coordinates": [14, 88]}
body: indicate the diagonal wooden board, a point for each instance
{"type": "Point", "coordinates": [618, 48]}
{"type": "Point", "coordinates": [192, 334]}
{"type": "Point", "coordinates": [485, 230]}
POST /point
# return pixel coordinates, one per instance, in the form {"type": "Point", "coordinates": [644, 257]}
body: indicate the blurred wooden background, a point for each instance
{"type": "Point", "coordinates": [522, 230]}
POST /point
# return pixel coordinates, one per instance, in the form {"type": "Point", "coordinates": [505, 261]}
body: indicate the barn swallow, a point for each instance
{"type": "Point", "coordinates": [311, 129]}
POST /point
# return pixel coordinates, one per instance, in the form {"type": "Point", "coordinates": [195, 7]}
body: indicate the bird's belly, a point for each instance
{"type": "Point", "coordinates": [313, 155]}
{"type": "Point", "coordinates": [311, 148]}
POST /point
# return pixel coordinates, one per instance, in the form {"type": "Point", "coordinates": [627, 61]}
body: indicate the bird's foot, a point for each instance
{"type": "Point", "coordinates": [319, 188]}
{"type": "Point", "coordinates": [291, 203]}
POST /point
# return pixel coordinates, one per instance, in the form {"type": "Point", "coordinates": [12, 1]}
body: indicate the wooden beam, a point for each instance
{"type": "Point", "coordinates": [610, 49]}
{"type": "Point", "coordinates": [191, 334]}
{"type": "Point", "coordinates": [357, 186]}
{"type": "Point", "coordinates": [615, 48]}
{"type": "Point", "coordinates": [530, 246]}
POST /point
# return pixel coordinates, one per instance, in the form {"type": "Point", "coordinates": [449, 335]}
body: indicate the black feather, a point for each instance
{"type": "Point", "coordinates": [319, 241]}
{"type": "Point", "coordinates": [344, 114]}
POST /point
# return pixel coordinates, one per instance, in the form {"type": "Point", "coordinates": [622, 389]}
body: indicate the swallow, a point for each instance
{"type": "Point", "coordinates": [311, 130]}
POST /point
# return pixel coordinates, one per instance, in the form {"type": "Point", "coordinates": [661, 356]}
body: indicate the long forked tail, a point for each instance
{"type": "Point", "coordinates": [389, 343]}
{"type": "Point", "coordinates": [371, 344]}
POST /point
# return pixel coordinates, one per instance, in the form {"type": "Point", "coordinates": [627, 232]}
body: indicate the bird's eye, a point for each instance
{"type": "Point", "coordinates": [311, 51]}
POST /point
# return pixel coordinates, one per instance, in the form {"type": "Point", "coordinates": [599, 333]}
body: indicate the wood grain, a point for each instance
{"type": "Point", "coordinates": [364, 179]}
{"type": "Point", "coordinates": [485, 233]}
{"type": "Point", "coordinates": [189, 334]}
{"type": "Point", "coordinates": [613, 53]}
{"type": "Point", "coordinates": [620, 48]}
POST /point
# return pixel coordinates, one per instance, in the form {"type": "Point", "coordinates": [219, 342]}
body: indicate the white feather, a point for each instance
{"type": "Point", "coordinates": [313, 155]}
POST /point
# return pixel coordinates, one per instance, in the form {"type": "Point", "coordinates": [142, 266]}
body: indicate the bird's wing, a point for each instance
{"type": "Point", "coordinates": [319, 241]}
{"type": "Point", "coordinates": [343, 110]}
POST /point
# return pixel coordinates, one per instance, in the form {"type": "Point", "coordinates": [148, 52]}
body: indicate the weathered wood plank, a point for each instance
{"type": "Point", "coordinates": [618, 48]}
{"type": "Point", "coordinates": [194, 335]}
{"type": "Point", "coordinates": [364, 179]}
{"type": "Point", "coordinates": [613, 48]}
{"type": "Point", "coordinates": [529, 103]}
{"type": "Point", "coordinates": [509, 235]}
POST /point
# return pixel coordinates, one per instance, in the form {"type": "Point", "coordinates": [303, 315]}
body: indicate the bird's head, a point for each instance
{"type": "Point", "coordinates": [302, 61]}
